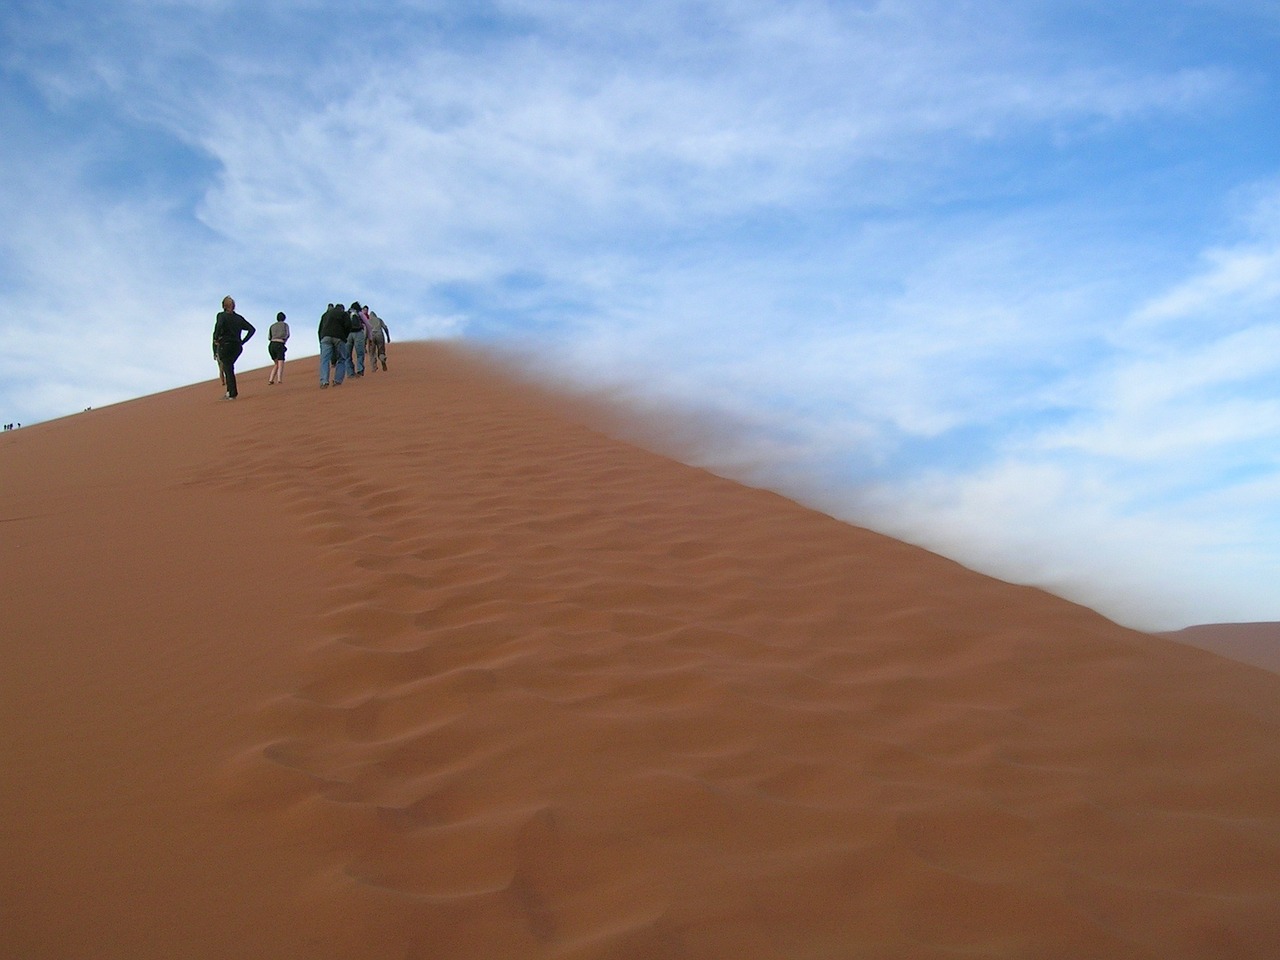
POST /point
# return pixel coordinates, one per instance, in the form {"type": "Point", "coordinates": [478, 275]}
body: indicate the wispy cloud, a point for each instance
{"type": "Point", "coordinates": [1162, 473]}
{"type": "Point", "coordinates": [966, 272]}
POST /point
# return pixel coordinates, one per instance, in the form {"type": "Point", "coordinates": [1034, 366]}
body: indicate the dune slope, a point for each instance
{"type": "Point", "coordinates": [1253, 643]}
{"type": "Point", "coordinates": [427, 667]}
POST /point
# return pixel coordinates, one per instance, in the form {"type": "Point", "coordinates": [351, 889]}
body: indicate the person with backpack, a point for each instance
{"type": "Point", "coordinates": [356, 342]}
{"type": "Point", "coordinates": [228, 344]}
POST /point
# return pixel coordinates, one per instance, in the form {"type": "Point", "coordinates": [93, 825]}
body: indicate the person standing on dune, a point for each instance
{"type": "Point", "coordinates": [334, 328]}
{"type": "Point", "coordinates": [379, 337]}
{"type": "Point", "coordinates": [278, 334]}
{"type": "Point", "coordinates": [356, 340]}
{"type": "Point", "coordinates": [227, 342]}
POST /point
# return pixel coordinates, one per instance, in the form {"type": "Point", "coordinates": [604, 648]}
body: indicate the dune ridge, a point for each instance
{"type": "Point", "coordinates": [1254, 643]}
{"type": "Point", "coordinates": [428, 666]}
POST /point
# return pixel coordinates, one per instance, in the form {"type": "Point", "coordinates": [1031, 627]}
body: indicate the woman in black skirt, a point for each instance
{"type": "Point", "coordinates": [278, 334]}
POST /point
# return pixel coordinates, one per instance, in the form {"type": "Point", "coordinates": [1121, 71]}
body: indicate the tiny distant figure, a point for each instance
{"type": "Point", "coordinates": [228, 344]}
{"type": "Point", "coordinates": [356, 341]}
{"type": "Point", "coordinates": [278, 335]}
{"type": "Point", "coordinates": [334, 328]}
{"type": "Point", "coordinates": [379, 337]}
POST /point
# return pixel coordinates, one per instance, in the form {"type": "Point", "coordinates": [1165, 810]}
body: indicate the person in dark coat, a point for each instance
{"type": "Point", "coordinates": [228, 343]}
{"type": "Point", "coordinates": [334, 328]}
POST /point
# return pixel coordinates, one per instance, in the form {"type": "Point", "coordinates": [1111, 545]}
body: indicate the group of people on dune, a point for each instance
{"type": "Point", "coordinates": [348, 335]}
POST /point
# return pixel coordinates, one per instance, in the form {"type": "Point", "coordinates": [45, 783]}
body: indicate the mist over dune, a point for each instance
{"type": "Point", "coordinates": [435, 665]}
{"type": "Point", "coordinates": [1141, 572]}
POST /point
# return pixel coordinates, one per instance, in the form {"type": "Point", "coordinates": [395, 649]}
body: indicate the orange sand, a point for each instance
{"type": "Point", "coordinates": [1255, 643]}
{"type": "Point", "coordinates": [425, 667]}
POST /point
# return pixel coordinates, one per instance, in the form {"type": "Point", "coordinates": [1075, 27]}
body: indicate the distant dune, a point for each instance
{"type": "Point", "coordinates": [427, 666]}
{"type": "Point", "coordinates": [1255, 643]}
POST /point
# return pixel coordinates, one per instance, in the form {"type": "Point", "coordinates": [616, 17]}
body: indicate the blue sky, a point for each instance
{"type": "Point", "coordinates": [999, 277]}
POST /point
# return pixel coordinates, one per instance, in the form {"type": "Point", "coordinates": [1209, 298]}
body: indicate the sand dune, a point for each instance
{"type": "Point", "coordinates": [1255, 643]}
{"type": "Point", "coordinates": [428, 667]}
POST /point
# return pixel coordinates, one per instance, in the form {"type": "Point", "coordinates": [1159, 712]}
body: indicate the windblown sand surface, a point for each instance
{"type": "Point", "coordinates": [423, 667]}
{"type": "Point", "coordinates": [1255, 643]}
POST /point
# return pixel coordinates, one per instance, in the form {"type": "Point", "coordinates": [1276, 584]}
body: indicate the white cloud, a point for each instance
{"type": "Point", "coordinates": [761, 106]}
{"type": "Point", "coordinates": [880, 238]}
{"type": "Point", "coordinates": [1155, 501]}
{"type": "Point", "coordinates": [1241, 278]}
{"type": "Point", "coordinates": [1181, 399]}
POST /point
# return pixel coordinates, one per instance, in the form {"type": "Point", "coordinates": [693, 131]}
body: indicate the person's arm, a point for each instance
{"type": "Point", "coordinates": [250, 331]}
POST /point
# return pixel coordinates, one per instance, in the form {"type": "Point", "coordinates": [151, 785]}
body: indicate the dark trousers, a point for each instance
{"type": "Point", "coordinates": [228, 352]}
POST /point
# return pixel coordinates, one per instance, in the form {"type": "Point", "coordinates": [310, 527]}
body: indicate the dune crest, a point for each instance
{"type": "Point", "coordinates": [1253, 643]}
{"type": "Point", "coordinates": [428, 667]}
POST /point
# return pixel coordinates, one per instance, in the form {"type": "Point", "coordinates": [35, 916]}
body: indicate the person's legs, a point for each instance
{"type": "Point", "coordinates": [344, 362]}
{"type": "Point", "coordinates": [229, 353]}
{"type": "Point", "coordinates": [359, 338]}
{"type": "Point", "coordinates": [275, 350]}
{"type": "Point", "coordinates": [326, 359]}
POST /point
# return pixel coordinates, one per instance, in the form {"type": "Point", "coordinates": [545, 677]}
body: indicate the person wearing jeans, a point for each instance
{"type": "Point", "coordinates": [356, 341]}
{"type": "Point", "coordinates": [333, 344]}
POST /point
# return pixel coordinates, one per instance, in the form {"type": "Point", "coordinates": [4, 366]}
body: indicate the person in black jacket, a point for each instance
{"type": "Point", "coordinates": [334, 328]}
{"type": "Point", "coordinates": [227, 342]}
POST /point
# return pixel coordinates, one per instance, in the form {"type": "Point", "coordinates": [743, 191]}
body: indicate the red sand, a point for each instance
{"type": "Point", "coordinates": [1255, 643]}
{"type": "Point", "coordinates": [426, 667]}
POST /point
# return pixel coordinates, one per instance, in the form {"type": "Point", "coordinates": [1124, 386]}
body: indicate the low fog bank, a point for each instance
{"type": "Point", "coordinates": [1124, 571]}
